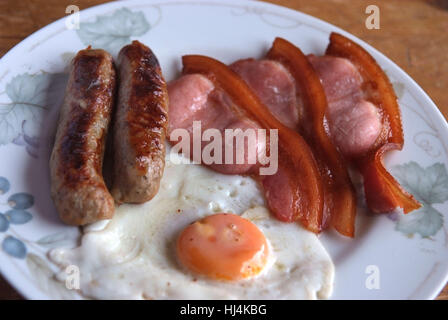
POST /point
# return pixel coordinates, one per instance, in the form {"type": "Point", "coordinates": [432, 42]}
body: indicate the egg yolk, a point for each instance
{"type": "Point", "coordinates": [223, 247]}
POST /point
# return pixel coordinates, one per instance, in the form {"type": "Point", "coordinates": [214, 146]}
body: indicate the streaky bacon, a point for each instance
{"type": "Point", "coordinates": [274, 85]}
{"type": "Point", "coordinates": [353, 122]}
{"type": "Point", "coordinates": [339, 193]}
{"type": "Point", "coordinates": [194, 97]}
{"type": "Point", "coordinates": [295, 192]}
{"type": "Point", "coordinates": [383, 192]}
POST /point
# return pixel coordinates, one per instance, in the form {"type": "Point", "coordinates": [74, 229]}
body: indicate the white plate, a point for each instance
{"type": "Point", "coordinates": [410, 254]}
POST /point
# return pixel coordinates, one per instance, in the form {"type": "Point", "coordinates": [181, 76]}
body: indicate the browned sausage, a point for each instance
{"type": "Point", "coordinates": [77, 186]}
{"type": "Point", "coordinates": [140, 126]}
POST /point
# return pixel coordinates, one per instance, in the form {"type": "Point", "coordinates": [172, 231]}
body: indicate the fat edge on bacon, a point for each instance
{"type": "Point", "coordinates": [339, 194]}
{"type": "Point", "coordinates": [383, 193]}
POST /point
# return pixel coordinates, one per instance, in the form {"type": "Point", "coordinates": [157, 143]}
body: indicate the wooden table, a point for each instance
{"type": "Point", "coordinates": [413, 33]}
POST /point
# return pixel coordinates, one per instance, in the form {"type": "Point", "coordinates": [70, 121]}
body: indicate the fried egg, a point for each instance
{"type": "Point", "coordinates": [203, 236]}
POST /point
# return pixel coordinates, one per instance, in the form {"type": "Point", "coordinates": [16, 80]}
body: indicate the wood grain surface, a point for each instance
{"type": "Point", "coordinates": [413, 33]}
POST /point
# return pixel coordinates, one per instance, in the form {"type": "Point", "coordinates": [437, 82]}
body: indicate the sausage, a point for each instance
{"type": "Point", "coordinates": [77, 185]}
{"type": "Point", "coordinates": [140, 125]}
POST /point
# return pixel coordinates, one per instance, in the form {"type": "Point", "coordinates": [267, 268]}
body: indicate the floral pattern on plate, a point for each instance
{"type": "Point", "coordinates": [112, 32]}
{"type": "Point", "coordinates": [429, 186]}
{"type": "Point", "coordinates": [30, 97]}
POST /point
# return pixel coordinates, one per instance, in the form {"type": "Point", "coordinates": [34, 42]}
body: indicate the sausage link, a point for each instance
{"type": "Point", "coordinates": [140, 125]}
{"type": "Point", "coordinates": [77, 185]}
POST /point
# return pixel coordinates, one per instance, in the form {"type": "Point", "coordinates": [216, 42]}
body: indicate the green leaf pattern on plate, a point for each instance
{"type": "Point", "coordinates": [111, 32]}
{"type": "Point", "coordinates": [30, 96]}
{"type": "Point", "coordinates": [59, 239]}
{"type": "Point", "coordinates": [28, 100]}
{"type": "Point", "coordinates": [429, 186]}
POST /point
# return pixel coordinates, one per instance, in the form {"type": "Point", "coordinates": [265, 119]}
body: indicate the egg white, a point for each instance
{"type": "Point", "coordinates": [133, 256]}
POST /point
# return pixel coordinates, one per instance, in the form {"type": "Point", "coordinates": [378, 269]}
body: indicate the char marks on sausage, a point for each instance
{"type": "Point", "coordinates": [77, 186]}
{"type": "Point", "coordinates": [139, 126]}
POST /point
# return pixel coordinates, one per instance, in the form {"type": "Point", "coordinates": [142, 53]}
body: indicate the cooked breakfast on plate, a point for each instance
{"type": "Point", "coordinates": [205, 235]}
{"type": "Point", "coordinates": [257, 165]}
